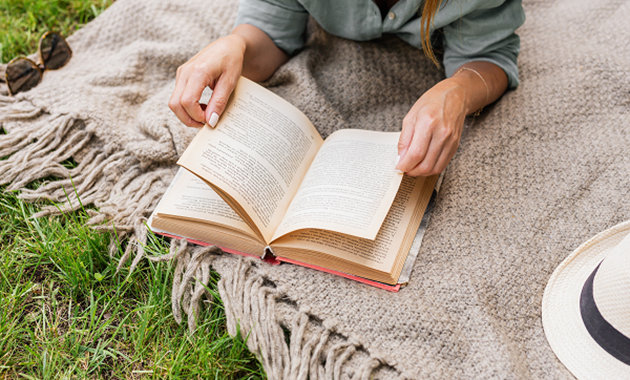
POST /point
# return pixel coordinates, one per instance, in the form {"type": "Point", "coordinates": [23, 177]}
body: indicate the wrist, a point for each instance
{"type": "Point", "coordinates": [238, 42]}
{"type": "Point", "coordinates": [455, 92]}
{"type": "Point", "coordinates": [484, 82]}
{"type": "Point", "coordinates": [473, 96]}
{"type": "Point", "coordinates": [261, 56]}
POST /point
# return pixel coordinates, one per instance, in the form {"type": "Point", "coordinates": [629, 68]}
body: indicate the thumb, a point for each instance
{"type": "Point", "coordinates": [219, 99]}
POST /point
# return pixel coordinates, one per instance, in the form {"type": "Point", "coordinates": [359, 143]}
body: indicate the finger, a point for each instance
{"type": "Point", "coordinates": [406, 136]}
{"type": "Point", "coordinates": [220, 96]}
{"type": "Point", "coordinates": [175, 101]}
{"type": "Point", "coordinates": [416, 150]}
{"type": "Point", "coordinates": [428, 164]}
{"type": "Point", "coordinates": [192, 94]}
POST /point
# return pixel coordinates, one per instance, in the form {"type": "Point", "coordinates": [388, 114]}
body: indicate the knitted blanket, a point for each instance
{"type": "Point", "coordinates": [536, 174]}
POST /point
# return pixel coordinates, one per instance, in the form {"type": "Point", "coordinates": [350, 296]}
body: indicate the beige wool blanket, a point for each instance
{"type": "Point", "coordinates": [536, 174]}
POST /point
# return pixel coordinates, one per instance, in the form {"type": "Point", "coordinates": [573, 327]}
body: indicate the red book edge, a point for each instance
{"type": "Point", "coordinates": [380, 285]}
{"type": "Point", "coordinates": [276, 260]}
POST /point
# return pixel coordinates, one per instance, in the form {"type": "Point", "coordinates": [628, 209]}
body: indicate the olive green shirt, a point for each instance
{"type": "Point", "coordinates": [472, 30]}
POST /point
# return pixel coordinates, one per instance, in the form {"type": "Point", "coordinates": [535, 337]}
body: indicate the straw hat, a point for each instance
{"type": "Point", "coordinates": [586, 307]}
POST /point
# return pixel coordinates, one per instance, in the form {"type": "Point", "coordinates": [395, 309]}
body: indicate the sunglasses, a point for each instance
{"type": "Point", "coordinates": [22, 74]}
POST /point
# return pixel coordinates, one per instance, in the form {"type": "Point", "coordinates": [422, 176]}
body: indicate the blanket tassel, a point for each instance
{"type": "Point", "coordinates": [113, 183]}
{"type": "Point", "coordinates": [314, 350]}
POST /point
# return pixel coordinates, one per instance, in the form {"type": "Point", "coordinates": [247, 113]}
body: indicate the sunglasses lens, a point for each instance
{"type": "Point", "coordinates": [54, 50]}
{"type": "Point", "coordinates": [22, 75]}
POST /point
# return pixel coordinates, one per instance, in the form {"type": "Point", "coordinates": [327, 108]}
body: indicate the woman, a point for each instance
{"type": "Point", "coordinates": [480, 51]}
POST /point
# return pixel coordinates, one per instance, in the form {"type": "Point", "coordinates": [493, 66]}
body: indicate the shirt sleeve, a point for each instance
{"type": "Point", "coordinates": [284, 21]}
{"type": "Point", "coordinates": [486, 35]}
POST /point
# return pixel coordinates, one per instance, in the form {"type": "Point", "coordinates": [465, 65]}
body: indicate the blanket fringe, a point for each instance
{"type": "Point", "coordinates": [313, 350]}
{"type": "Point", "coordinates": [39, 150]}
{"type": "Point", "coordinates": [31, 150]}
{"type": "Point", "coordinates": [126, 211]}
{"type": "Point", "coordinates": [114, 183]}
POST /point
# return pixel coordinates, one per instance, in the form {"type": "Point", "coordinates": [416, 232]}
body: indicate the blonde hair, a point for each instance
{"type": "Point", "coordinates": [429, 11]}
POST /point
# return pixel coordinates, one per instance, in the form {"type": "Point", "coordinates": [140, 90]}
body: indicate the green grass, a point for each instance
{"type": "Point", "coordinates": [64, 312]}
{"type": "Point", "coordinates": [22, 22]}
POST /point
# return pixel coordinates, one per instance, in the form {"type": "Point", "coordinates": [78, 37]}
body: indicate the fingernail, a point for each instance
{"type": "Point", "coordinates": [397, 161]}
{"type": "Point", "coordinates": [214, 118]}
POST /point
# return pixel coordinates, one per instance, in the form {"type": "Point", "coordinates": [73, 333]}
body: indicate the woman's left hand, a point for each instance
{"type": "Point", "coordinates": [432, 129]}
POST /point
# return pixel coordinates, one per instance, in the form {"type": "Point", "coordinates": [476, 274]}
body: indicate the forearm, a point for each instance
{"type": "Point", "coordinates": [482, 83]}
{"type": "Point", "coordinates": [261, 55]}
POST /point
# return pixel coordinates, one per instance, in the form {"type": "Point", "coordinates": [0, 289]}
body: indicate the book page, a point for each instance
{"type": "Point", "coordinates": [349, 187]}
{"type": "Point", "coordinates": [258, 153]}
{"type": "Point", "coordinates": [190, 198]}
{"type": "Point", "coordinates": [378, 254]}
{"type": "Point", "coordinates": [207, 234]}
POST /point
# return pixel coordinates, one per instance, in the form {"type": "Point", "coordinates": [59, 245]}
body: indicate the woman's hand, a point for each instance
{"type": "Point", "coordinates": [431, 130]}
{"type": "Point", "coordinates": [433, 127]}
{"type": "Point", "coordinates": [247, 51]}
{"type": "Point", "coordinates": [218, 65]}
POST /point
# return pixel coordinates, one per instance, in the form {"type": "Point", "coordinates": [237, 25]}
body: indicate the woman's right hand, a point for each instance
{"type": "Point", "coordinates": [218, 66]}
{"type": "Point", "coordinates": [248, 51]}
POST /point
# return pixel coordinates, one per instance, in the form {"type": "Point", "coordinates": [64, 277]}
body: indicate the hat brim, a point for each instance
{"type": "Point", "coordinates": [561, 317]}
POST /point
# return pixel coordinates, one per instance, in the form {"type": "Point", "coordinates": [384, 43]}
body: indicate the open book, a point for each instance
{"type": "Point", "coordinates": [265, 179]}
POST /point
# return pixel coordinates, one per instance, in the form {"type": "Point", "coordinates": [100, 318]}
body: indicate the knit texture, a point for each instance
{"type": "Point", "coordinates": [536, 174]}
